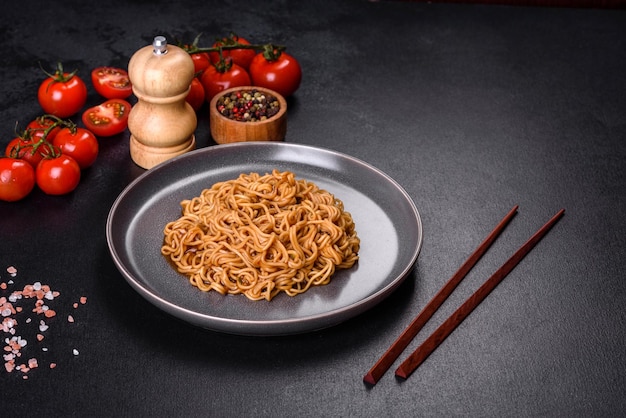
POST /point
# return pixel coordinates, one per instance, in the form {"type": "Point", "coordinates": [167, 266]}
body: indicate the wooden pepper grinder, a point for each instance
{"type": "Point", "coordinates": [162, 123]}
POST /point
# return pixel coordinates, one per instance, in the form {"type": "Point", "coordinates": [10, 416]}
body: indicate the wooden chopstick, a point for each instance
{"type": "Point", "coordinates": [431, 343]}
{"type": "Point", "coordinates": [387, 359]}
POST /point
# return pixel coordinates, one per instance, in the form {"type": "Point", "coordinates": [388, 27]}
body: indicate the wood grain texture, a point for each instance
{"type": "Point", "coordinates": [394, 351]}
{"type": "Point", "coordinates": [161, 123]}
{"type": "Point", "coordinates": [225, 130]}
{"type": "Point", "coordinates": [436, 338]}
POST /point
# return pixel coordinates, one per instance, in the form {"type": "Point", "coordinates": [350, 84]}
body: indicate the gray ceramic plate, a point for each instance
{"type": "Point", "coordinates": [386, 218]}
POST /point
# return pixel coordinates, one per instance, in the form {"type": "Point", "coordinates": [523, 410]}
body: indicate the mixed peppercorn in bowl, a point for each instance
{"type": "Point", "coordinates": [248, 113]}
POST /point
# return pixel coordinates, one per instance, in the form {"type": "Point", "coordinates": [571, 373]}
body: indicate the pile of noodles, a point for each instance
{"type": "Point", "coordinates": [259, 235]}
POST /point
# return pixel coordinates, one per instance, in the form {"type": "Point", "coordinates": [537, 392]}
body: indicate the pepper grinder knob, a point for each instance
{"type": "Point", "coordinates": [161, 123]}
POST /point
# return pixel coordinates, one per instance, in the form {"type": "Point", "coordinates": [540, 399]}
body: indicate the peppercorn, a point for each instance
{"type": "Point", "coordinates": [248, 105]}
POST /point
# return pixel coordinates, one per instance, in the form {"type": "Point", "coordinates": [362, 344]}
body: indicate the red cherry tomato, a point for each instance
{"type": "Point", "coordinates": [38, 127]}
{"type": "Point", "coordinates": [111, 82]}
{"type": "Point", "coordinates": [27, 149]}
{"type": "Point", "coordinates": [17, 179]}
{"type": "Point", "coordinates": [107, 119]}
{"type": "Point", "coordinates": [58, 176]}
{"type": "Point", "coordinates": [80, 144]}
{"type": "Point", "coordinates": [215, 81]}
{"type": "Point", "coordinates": [241, 56]}
{"type": "Point", "coordinates": [200, 61]}
{"type": "Point", "coordinates": [195, 97]}
{"type": "Point", "coordinates": [282, 74]}
{"type": "Point", "coordinates": [62, 94]}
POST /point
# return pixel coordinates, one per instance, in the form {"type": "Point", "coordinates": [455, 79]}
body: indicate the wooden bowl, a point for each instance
{"type": "Point", "coordinates": [225, 130]}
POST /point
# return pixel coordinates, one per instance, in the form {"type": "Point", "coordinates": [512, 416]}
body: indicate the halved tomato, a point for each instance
{"type": "Point", "coordinates": [111, 82]}
{"type": "Point", "coordinates": [107, 119]}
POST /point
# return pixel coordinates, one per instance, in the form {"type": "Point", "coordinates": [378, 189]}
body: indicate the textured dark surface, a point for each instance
{"type": "Point", "coordinates": [471, 108]}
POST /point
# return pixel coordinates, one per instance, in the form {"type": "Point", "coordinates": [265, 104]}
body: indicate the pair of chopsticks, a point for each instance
{"type": "Point", "coordinates": [445, 329]}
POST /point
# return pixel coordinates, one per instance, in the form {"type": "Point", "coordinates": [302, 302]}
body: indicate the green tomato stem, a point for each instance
{"type": "Point", "coordinates": [59, 75]}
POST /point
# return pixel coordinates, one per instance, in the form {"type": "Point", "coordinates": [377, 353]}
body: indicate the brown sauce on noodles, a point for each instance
{"type": "Point", "coordinates": [260, 235]}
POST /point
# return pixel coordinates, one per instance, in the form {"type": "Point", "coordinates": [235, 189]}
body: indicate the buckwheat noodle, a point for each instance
{"type": "Point", "coordinates": [260, 235]}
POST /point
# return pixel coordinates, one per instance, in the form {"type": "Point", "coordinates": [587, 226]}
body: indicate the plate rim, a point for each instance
{"type": "Point", "coordinates": [254, 327]}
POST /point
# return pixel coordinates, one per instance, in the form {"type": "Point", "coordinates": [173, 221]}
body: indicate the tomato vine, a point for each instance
{"type": "Point", "coordinates": [28, 135]}
{"type": "Point", "coordinates": [270, 51]}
